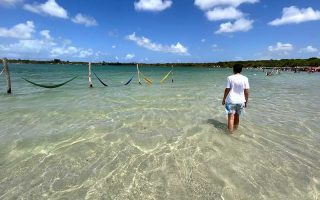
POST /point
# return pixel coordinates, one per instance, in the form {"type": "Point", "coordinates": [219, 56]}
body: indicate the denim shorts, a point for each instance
{"type": "Point", "coordinates": [234, 108]}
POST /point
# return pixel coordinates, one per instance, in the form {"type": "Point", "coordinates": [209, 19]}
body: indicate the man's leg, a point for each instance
{"type": "Point", "coordinates": [230, 122]}
{"type": "Point", "coordinates": [236, 121]}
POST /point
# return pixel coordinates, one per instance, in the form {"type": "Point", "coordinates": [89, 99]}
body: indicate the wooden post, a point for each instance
{"type": "Point", "coordinates": [7, 73]}
{"type": "Point", "coordinates": [138, 74]}
{"type": "Point", "coordinates": [90, 80]}
{"type": "Point", "coordinates": [172, 74]}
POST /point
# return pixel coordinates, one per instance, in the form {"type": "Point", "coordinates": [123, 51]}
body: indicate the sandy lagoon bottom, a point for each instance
{"type": "Point", "coordinates": [161, 141]}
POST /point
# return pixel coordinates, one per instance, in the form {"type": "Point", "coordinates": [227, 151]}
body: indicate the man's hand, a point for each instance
{"type": "Point", "coordinates": [226, 92]}
{"type": "Point", "coordinates": [246, 95]}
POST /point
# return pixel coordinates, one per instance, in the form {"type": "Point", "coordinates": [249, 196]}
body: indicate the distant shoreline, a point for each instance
{"type": "Point", "coordinates": [283, 63]}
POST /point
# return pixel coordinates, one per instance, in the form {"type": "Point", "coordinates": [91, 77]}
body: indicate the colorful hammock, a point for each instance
{"type": "Point", "coordinates": [50, 85]}
{"type": "Point", "coordinates": [167, 75]}
{"type": "Point", "coordinates": [148, 81]}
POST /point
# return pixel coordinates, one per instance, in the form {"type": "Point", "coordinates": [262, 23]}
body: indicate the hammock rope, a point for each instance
{"type": "Point", "coordinates": [2, 71]}
{"type": "Point", "coordinates": [50, 86]}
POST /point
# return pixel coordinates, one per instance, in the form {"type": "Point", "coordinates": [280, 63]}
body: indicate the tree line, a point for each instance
{"type": "Point", "coordinates": [283, 63]}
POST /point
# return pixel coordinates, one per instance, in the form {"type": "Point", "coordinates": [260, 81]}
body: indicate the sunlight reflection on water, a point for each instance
{"type": "Point", "coordinates": [158, 142]}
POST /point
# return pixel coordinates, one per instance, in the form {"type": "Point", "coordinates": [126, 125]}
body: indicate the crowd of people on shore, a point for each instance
{"type": "Point", "coordinates": [274, 71]}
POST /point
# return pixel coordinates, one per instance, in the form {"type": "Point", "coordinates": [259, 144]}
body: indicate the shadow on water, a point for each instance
{"type": "Point", "coordinates": [217, 124]}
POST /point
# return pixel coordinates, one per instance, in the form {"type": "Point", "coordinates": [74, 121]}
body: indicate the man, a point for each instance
{"type": "Point", "coordinates": [235, 96]}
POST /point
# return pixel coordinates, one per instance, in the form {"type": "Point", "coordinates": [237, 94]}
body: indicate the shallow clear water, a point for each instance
{"type": "Point", "coordinates": [157, 142]}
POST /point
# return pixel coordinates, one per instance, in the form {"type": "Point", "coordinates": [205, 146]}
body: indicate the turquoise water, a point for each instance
{"type": "Point", "coordinates": [157, 142]}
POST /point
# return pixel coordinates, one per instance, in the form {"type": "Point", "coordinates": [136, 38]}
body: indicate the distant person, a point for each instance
{"type": "Point", "coordinates": [235, 97]}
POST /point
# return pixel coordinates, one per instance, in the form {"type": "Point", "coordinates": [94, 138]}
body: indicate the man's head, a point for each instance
{"type": "Point", "coordinates": [237, 68]}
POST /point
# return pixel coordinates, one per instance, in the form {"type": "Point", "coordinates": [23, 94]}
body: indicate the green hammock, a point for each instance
{"type": "Point", "coordinates": [51, 85]}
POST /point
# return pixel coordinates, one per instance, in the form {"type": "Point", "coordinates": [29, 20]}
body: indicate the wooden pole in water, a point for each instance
{"type": "Point", "coordinates": [7, 73]}
{"type": "Point", "coordinates": [90, 80]}
{"type": "Point", "coordinates": [138, 74]}
{"type": "Point", "coordinates": [172, 74]}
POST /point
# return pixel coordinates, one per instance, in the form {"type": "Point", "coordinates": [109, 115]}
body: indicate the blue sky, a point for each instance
{"type": "Point", "coordinates": [159, 30]}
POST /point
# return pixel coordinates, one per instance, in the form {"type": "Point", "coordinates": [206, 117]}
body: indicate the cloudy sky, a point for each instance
{"type": "Point", "coordinates": [159, 30]}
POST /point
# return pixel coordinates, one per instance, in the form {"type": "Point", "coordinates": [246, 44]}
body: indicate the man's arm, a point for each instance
{"type": "Point", "coordinates": [226, 92]}
{"type": "Point", "coordinates": [246, 95]}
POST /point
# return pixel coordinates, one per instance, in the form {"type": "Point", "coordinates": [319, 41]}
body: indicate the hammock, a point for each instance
{"type": "Point", "coordinates": [127, 83]}
{"type": "Point", "coordinates": [100, 80]}
{"type": "Point", "coordinates": [148, 81]}
{"type": "Point", "coordinates": [50, 86]}
{"type": "Point", "coordinates": [1, 71]}
{"type": "Point", "coordinates": [166, 76]}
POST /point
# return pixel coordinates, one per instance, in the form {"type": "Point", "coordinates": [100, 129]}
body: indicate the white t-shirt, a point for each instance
{"type": "Point", "coordinates": [237, 83]}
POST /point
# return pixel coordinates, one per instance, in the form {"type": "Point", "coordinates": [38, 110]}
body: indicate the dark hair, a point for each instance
{"type": "Point", "coordinates": [237, 68]}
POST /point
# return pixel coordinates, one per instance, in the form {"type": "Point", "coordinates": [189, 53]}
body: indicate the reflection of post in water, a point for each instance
{"type": "Point", "coordinates": [7, 74]}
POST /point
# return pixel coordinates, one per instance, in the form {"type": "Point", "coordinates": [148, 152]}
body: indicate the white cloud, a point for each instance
{"type": "Point", "coordinates": [44, 47]}
{"type": "Point", "coordinates": [86, 20]}
{"type": "Point", "coordinates": [31, 48]}
{"type": "Point", "coordinates": [113, 46]}
{"type": "Point", "coordinates": [20, 31]}
{"type": "Point", "coordinates": [203, 40]}
{"type": "Point", "coordinates": [130, 56]}
{"type": "Point", "coordinates": [71, 51]}
{"type": "Point", "coordinates": [177, 48]}
{"type": "Point", "coordinates": [309, 49]}
{"type": "Point", "coordinates": [46, 34]}
{"type": "Point", "coordinates": [9, 3]}
{"type": "Point", "coordinates": [49, 8]}
{"type": "Point", "coordinates": [216, 10]}
{"type": "Point", "coordinates": [113, 33]}
{"type": "Point", "coordinates": [242, 25]}
{"type": "Point", "coordinates": [281, 47]}
{"type": "Point", "coordinates": [294, 15]}
{"type": "Point", "coordinates": [223, 13]}
{"type": "Point", "coordinates": [148, 44]}
{"type": "Point", "coordinates": [216, 48]}
{"type": "Point", "coordinates": [208, 4]}
{"type": "Point", "coordinates": [152, 5]}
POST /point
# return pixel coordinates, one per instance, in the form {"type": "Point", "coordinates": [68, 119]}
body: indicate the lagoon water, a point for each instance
{"type": "Point", "coordinates": [165, 141]}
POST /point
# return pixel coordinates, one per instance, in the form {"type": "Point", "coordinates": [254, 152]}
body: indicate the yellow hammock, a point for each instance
{"type": "Point", "coordinates": [148, 81]}
{"type": "Point", "coordinates": [166, 76]}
